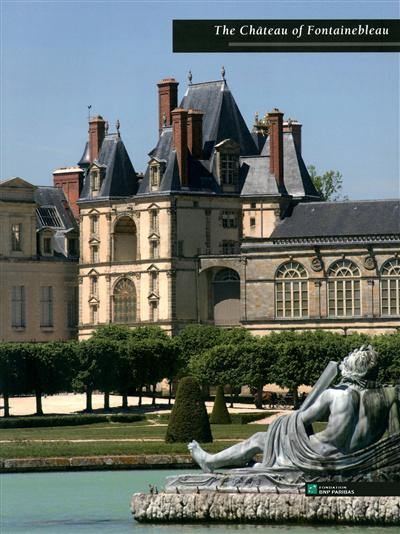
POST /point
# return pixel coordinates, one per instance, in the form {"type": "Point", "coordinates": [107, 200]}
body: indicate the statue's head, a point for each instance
{"type": "Point", "coordinates": [361, 364]}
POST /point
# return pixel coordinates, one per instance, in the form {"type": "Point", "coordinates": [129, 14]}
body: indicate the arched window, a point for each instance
{"type": "Point", "coordinates": [125, 240]}
{"type": "Point", "coordinates": [291, 290]}
{"type": "Point", "coordinates": [227, 275]}
{"type": "Point", "coordinates": [226, 297]}
{"type": "Point", "coordinates": [390, 287]}
{"type": "Point", "coordinates": [344, 294]}
{"type": "Point", "coordinates": [124, 301]}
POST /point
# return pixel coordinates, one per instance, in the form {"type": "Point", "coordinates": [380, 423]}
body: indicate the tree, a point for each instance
{"type": "Point", "coordinates": [12, 372]}
{"type": "Point", "coordinates": [188, 419]}
{"type": "Point", "coordinates": [220, 414]}
{"type": "Point", "coordinates": [329, 184]}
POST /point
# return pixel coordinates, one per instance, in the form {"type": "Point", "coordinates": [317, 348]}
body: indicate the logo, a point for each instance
{"type": "Point", "coordinates": [311, 489]}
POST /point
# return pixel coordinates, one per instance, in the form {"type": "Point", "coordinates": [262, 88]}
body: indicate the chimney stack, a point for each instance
{"type": "Point", "coordinates": [294, 127]}
{"type": "Point", "coordinates": [70, 180]}
{"type": "Point", "coordinates": [275, 123]}
{"type": "Point", "coordinates": [97, 131]}
{"type": "Point", "coordinates": [195, 132]}
{"type": "Point", "coordinates": [167, 101]}
{"type": "Point", "coordinates": [180, 141]}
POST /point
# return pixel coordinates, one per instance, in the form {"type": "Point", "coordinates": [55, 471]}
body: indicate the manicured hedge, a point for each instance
{"type": "Point", "coordinates": [220, 414]}
{"type": "Point", "coordinates": [67, 420]}
{"type": "Point", "coordinates": [244, 418]}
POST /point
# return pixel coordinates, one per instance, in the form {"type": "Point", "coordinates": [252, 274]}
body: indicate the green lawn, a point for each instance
{"type": "Point", "coordinates": [22, 445]}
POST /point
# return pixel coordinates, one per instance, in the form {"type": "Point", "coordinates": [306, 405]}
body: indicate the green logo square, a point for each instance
{"type": "Point", "coordinates": [312, 489]}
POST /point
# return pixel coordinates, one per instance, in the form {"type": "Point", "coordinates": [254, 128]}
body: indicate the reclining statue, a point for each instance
{"type": "Point", "coordinates": [362, 433]}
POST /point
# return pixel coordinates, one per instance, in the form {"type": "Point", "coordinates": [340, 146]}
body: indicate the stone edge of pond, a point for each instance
{"type": "Point", "coordinates": [86, 463]}
{"type": "Point", "coordinates": [260, 508]}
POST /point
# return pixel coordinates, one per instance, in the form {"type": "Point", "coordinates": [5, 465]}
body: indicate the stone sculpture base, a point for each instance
{"type": "Point", "coordinates": [211, 506]}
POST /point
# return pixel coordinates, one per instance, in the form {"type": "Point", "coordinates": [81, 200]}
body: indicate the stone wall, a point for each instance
{"type": "Point", "coordinates": [253, 508]}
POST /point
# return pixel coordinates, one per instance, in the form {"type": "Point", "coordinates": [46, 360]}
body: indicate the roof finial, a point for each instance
{"type": "Point", "coordinates": [190, 76]}
{"type": "Point", "coordinates": [164, 119]}
{"type": "Point", "coordinates": [89, 108]}
{"type": "Point", "coordinates": [118, 125]}
{"type": "Point", "coordinates": [223, 72]}
{"type": "Point", "coordinates": [106, 126]}
{"type": "Point", "coordinates": [256, 117]}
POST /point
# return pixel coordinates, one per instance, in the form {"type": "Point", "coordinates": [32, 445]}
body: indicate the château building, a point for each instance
{"type": "Point", "coordinates": [226, 228]}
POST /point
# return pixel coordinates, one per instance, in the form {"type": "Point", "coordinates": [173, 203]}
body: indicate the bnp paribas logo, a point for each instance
{"type": "Point", "coordinates": [311, 489]}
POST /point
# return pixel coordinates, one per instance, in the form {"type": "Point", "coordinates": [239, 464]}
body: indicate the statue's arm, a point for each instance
{"type": "Point", "coordinates": [319, 409]}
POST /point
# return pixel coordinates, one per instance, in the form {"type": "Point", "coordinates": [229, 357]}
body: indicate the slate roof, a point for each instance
{"type": "Point", "coordinates": [84, 162]}
{"type": "Point", "coordinates": [54, 197]}
{"type": "Point", "coordinates": [120, 177]}
{"type": "Point", "coordinates": [296, 177]}
{"type": "Point", "coordinates": [222, 118]}
{"type": "Point", "coordinates": [348, 218]}
{"type": "Point", "coordinates": [257, 178]}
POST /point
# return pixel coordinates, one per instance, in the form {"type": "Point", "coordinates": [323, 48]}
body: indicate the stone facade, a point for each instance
{"type": "Point", "coordinates": [38, 284]}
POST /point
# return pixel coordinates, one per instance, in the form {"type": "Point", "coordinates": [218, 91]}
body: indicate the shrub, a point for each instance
{"type": "Point", "coordinates": [189, 419]}
{"type": "Point", "coordinates": [67, 420]}
{"type": "Point", "coordinates": [220, 414]}
{"type": "Point", "coordinates": [245, 418]}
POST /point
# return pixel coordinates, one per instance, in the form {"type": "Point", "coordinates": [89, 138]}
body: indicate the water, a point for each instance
{"type": "Point", "coordinates": [97, 502]}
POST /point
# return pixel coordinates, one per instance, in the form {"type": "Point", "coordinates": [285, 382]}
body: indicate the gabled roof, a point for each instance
{"type": "Point", "coordinates": [222, 118]}
{"type": "Point", "coordinates": [16, 182]}
{"type": "Point", "coordinates": [120, 178]}
{"type": "Point", "coordinates": [348, 218]}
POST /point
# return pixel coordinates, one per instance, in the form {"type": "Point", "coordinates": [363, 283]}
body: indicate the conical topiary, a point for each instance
{"type": "Point", "coordinates": [220, 414]}
{"type": "Point", "coordinates": [188, 419]}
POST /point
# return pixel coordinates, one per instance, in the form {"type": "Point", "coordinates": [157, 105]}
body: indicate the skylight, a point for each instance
{"type": "Point", "coordinates": [48, 216]}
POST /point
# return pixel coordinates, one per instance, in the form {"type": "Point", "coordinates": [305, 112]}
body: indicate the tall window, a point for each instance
{"type": "Point", "coordinates": [94, 314]}
{"type": "Point", "coordinates": [95, 254]}
{"type": "Point", "coordinates": [291, 290]}
{"type": "Point", "coordinates": [229, 219]}
{"type": "Point", "coordinates": [47, 245]}
{"type": "Point", "coordinates": [16, 241]}
{"type": "Point", "coordinates": [95, 180]}
{"type": "Point", "coordinates": [18, 306]}
{"type": "Point", "coordinates": [46, 306]}
{"type": "Point", "coordinates": [153, 281]}
{"type": "Point", "coordinates": [155, 175]}
{"type": "Point", "coordinates": [94, 285]}
{"type": "Point", "coordinates": [153, 311]}
{"type": "Point", "coordinates": [72, 306]}
{"type": "Point", "coordinates": [154, 249]}
{"type": "Point", "coordinates": [344, 293]}
{"type": "Point", "coordinates": [153, 220]}
{"type": "Point", "coordinates": [125, 301]}
{"type": "Point", "coordinates": [390, 287]}
{"type": "Point", "coordinates": [94, 224]}
{"type": "Point", "coordinates": [229, 167]}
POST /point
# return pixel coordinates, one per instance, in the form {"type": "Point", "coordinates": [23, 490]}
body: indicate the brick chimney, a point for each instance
{"type": "Point", "coordinates": [70, 180]}
{"type": "Point", "coordinates": [195, 132]}
{"type": "Point", "coordinates": [167, 101]}
{"type": "Point", "coordinates": [275, 122]}
{"type": "Point", "coordinates": [180, 141]}
{"type": "Point", "coordinates": [97, 130]}
{"type": "Point", "coordinates": [294, 127]}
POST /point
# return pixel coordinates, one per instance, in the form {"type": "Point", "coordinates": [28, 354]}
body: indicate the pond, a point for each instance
{"type": "Point", "coordinates": [96, 502]}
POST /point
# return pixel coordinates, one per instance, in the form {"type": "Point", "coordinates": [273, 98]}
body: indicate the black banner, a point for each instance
{"type": "Point", "coordinates": [361, 35]}
{"type": "Point", "coordinates": [353, 489]}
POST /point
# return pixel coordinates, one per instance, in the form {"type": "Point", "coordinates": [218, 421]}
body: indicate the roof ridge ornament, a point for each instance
{"type": "Point", "coordinates": [223, 72]}
{"type": "Point", "coordinates": [118, 125]}
{"type": "Point", "coordinates": [106, 127]}
{"type": "Point", "coordinates": [190, 77]}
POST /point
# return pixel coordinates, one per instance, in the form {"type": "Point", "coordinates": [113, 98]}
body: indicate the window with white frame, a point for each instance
{"type": "Point", "coordinates": [390, 287]}
{"type": "Point", "coordinates": [16, 237]}
{"type": "Point", "coordinates": [153, 281]}
{"type": "Point", "coordinates": [291, 291]}
{"type": "Point", "coordinates": [344, 289]}
{"type": "Point", "coordinates": [46, 306]}
{"type": "Point", "coordinates": [18, 306]}
{"type": "Point", "coordinates": [229, 219]}
{"type": "Point", "coordinates": [229, 164]}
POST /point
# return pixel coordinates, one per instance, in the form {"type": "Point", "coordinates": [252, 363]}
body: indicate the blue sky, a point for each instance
{"type": "Point", "coordinates": [58, 57]}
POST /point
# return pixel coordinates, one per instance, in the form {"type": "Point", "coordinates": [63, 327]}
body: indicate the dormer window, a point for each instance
{"type": "Point", "coordinates": [156, 172]}
{"type": "Point", "coordinates": [227, 164]}
{"type": "Point", "coordinates": [47, 245]}
{"type": "Point", "coordinates": [228, 168]}
{"type": "Point", "coordinates": [95, 180]}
